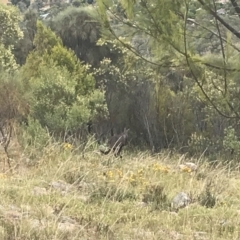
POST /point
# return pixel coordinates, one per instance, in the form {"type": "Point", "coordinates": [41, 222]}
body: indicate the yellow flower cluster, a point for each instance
{"type": "Point", "coordinates": [113, 174]}
{"type": "Point", "coordinates": [186, 169]}
{"type": "Point", "coordinates": [109, 174]}
{"type": "Point", "coordinates": [67, 146]}
{"type": "Point", "coordinates": [136, 178]}
{"type": "Point", "coordinates": [160, 168]}
{"type": "Point", "coordinates": [3, 175]}
{"type": "Point", "coordinates": [223, 203]}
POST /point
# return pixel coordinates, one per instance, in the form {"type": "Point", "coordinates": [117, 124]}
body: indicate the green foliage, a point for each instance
{"type": "Point", "coordinates": [7, 60]}
{"type": "Point", "coordinates": [59, 90]}
{"type": "Point", "coordinates": [63, 96]}
{"type": "Point", "coordinates": [10, 31]}
{"type": "Point", "coordinates": [77, 3]}
{"type": "Point", "coordinates": [207, 198]}
{"type": "Point", "coordinates": [25, 45]}
{"type": "Point", "coordinates": [74, 176]}
{"type": "Point", "coordinates": [231, 143]}
{"type": "Point", "coordinates": [181, 40]}
{"type": "Point", "coordinates": [156, 195]}
{"type": "Point", "coordinates": [140, 96]}
{"type": "Point", "coordinates": [17, 2]}
{"type": "Point", "coordinates": [163, 70]}
{"type": "Point", "coordinates": [45, 39]}
{"type": "Point", "coordinates": [80, 29]}
{"type": "Point", "coordinates": [10, 34]}
{"type": "Point", "coordinates": [13, 101]}
{"type": "Point", "coordinates": [63, 57]}
{"type": "Point", "coordinates": [33, 136]}
{"type": "Point", "coordinates": [66, 58]}
{"type": "Point", "coordinates": [62, 109]}
{"type": "Point", "coordinates": [193, 6]}
{"type": "Point", "coordinates": [124, 81]}
{"type": "Point", "coordinates": [198, 143]}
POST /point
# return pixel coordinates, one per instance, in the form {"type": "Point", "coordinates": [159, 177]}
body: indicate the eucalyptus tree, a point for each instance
{"type": "Point", "coordinates": [172, 36]}
{"type": "Point", "coordinates": [29, 28]}
{"type": "Point", "coordinates": [10, 33]}
{"type": "Point", "coordinates": [198, 39]}
{"type": "Point", "coordinates": [63, 97]}
{"type": "Point", "coordinates": [80, 29]}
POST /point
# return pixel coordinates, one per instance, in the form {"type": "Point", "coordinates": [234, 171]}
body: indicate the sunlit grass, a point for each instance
{"type": "Point", "coordinates": [117, 199]}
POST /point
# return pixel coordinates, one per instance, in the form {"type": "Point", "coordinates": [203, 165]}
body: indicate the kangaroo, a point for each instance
{"type": "Point", "coordinates": [116, 143]}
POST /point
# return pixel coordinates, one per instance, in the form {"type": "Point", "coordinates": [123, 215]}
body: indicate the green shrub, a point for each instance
{"type": "Point", "coordinates": [63, 95]}
{"type": "Point", "coordinates": [207, 198]}
{"type": "Point", "coordinates": [155, 195]}
{"type": "Point", "coordinates": [231, 143]}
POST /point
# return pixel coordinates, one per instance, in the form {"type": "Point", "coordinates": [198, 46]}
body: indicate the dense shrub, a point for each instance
{"type": "Point", "coordinates": [63, 91]}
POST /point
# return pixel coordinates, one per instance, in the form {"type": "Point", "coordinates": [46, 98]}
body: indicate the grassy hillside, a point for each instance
{"type": "Point", "coordinates": [67, 196]}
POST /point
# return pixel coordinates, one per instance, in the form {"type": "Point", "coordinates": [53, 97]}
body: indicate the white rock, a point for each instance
{"type": "Point", "coordinates": [181, 200]}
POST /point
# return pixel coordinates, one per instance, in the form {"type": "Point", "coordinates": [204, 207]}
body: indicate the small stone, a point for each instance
{"type": "Point", "coordinates": [61, 185]}
{"type": "Point", "coordinates": [12, 214]}
{"type": "Point", "coordinates": [66, 227]}
{"type": "Point", "coordinates": [38, 191]}
{"type": "Point", "coordinates": [200, 235]}
{"type": "Point", "coordinates": [83, 198]}
{"type": "Point", "coordinates": [181, 200]}
{"type": "Point", "coordinates": [192, 166]}
{"type": "Point", "coordinates": [188, 167]}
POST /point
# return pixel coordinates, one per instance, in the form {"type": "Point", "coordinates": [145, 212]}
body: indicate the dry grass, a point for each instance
{"type": "Point", "coordinates": [67, 197]}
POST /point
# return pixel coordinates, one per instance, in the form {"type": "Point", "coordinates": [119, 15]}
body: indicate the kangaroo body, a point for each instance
{"type": "Point", "coordinates": [116, 143]}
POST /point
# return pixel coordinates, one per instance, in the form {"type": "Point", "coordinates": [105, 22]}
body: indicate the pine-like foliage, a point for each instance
{"type": "Point", "coordinates": [79, 29]}
{"type": "Point", "coordinates": [195, 40]}
{"type": "Point", "coordinates": [10, 34]}
{"type": "Point", "coordinates": [63, 92]}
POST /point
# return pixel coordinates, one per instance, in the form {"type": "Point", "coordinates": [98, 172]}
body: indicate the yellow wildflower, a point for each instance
{"type": "Point", "coordinates": [67, 146]}
{"type": "Point", "coordinates": [157, 167]}
{"type": "Point", "coordinates": [2, 175]}
{"type": "Point", "coordinates": [109, 174]}
{"type": "Point", "coordinates": [186, 169]}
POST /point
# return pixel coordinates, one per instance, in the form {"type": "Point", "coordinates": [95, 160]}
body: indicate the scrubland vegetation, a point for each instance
{"type": "Point", "coordinates": [74, 75]}
{"type": "Point", "coordinates": [66, 196]}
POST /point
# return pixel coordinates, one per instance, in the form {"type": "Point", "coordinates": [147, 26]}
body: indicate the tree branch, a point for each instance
{"type": "Point", "coordinates": [215, 34]}
{"type": "Point", "coordinates": [225, 24]}
{"type": "Point", "coordinates": [223, 53]}
{"type": "Point", "coordinates": [169, 64]}
{"type": "Point", "coordinates": [194, 75]}
{"type": "Point", "coordinates": [236, 7]}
